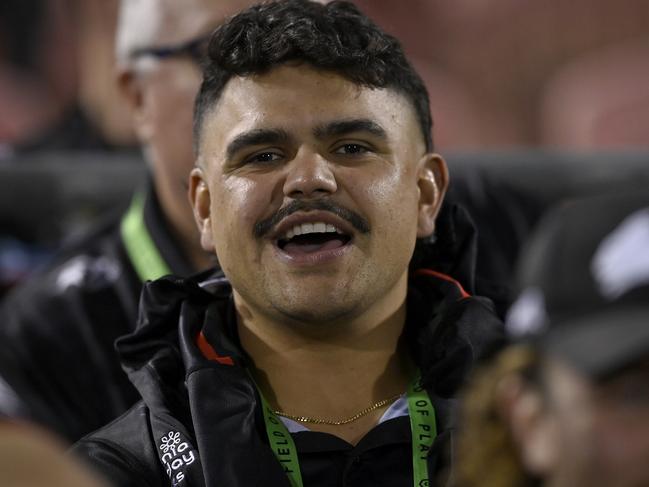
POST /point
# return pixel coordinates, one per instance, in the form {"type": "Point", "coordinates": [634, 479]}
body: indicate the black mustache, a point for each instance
{"type": "Point", "coordinates": [358, 222]}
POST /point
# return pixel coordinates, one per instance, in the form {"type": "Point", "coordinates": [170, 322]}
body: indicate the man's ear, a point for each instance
{"type": "Point", "coordinates": [199, 196]}
{"type": "Point", "coordinates": [432, 181]}
{"type": "Point", "coordinates": [533, 428]}
{"type": "Point", "coordinates": [130, 86]}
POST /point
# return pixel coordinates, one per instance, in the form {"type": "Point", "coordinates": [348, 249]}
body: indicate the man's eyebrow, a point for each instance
{"type": "Point", "coordinates": [256, 137]}
{"type": "Point", "coordinates": [342, 127]}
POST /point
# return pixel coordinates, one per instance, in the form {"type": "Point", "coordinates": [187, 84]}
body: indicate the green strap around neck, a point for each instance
{"type": "Point", "coordinates": [282, 444]}
{"type": "Point", "coordinates": [144, 255]}
{"type": "Point", "coordinates": [422, 425]}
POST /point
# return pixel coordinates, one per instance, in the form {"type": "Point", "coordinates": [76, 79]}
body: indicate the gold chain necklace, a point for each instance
{"type": "Point", "coordinates": [333, 422]}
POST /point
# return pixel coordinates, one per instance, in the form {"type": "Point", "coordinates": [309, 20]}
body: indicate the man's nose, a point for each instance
{"type": "Point", "coordinates": [308, 175]}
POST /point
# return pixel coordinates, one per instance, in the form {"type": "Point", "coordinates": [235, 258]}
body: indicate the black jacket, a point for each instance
{"type": "Point", "coordinates": [211, 407]}
{"type": "Point", "coordinates": [58, 329]}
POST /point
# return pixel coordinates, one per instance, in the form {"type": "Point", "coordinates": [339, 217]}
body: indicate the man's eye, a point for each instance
{"type": "Point", "coordinates": [263, 158]}
{"type": "Point", "coordinates": [351, 149]}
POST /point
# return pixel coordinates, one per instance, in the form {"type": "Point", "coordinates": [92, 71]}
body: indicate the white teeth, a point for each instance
{"type": "Point", "coordinates": [304, 228]}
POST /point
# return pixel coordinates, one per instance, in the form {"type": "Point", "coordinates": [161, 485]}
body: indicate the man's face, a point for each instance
{"type": "Point", "coordinates": [603, 428]}
{"type": "Point", "coordinates": [312, 190]}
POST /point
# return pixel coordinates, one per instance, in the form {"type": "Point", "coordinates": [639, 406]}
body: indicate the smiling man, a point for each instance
{"type": "Point", "coordinates": [330, 353]}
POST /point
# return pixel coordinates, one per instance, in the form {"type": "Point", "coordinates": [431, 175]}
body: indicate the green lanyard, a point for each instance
{"type": "Point", "coordinates": [282, 444]}
{"type": "Point", "coordinates": [144, 255]}
{"type": "Point", "coordinates": [422, 426]}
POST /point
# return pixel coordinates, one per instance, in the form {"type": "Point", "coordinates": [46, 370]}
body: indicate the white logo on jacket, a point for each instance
{"type": "Point", "coordinates": [176, 455]}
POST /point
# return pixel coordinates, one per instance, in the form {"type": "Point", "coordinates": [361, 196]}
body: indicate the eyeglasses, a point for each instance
{"type": "Point", "coordinates": [196, 49]}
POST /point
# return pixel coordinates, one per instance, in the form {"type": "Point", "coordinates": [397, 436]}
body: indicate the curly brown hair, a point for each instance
{"type": "Point", "coordinates": [335, 37]}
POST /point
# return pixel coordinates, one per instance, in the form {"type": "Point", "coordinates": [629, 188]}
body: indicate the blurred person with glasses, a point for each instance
{"type": "Point", "coordinates": [57, 363]}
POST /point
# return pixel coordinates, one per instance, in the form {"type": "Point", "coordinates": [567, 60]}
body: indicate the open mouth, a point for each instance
{"type": "Point", "coordinates": [309, 238]}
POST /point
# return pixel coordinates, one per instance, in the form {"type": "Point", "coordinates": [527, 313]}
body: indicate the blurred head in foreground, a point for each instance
{"type": "Point", "coordinates": [567, 403]}
{"type": "Point", "coordinates": [31, 457]}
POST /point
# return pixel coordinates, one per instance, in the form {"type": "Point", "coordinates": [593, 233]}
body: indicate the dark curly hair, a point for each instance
{"type": "Point", "coordinates": [334, 37]}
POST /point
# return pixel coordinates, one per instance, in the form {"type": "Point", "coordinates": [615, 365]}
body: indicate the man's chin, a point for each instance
{"type": "Point", "coordinates": [315, 316]}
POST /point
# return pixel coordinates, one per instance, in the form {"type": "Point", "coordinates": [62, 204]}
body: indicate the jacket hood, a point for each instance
{"type": "Point", "coordinates": [198, 399]}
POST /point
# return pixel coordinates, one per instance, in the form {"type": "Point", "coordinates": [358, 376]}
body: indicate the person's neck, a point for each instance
{"type": "Point", "coordinates": [330, 371]}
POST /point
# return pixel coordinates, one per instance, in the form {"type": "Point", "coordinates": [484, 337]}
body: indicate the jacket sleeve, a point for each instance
{"type": "Point", "coordinates": [123, 453]}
